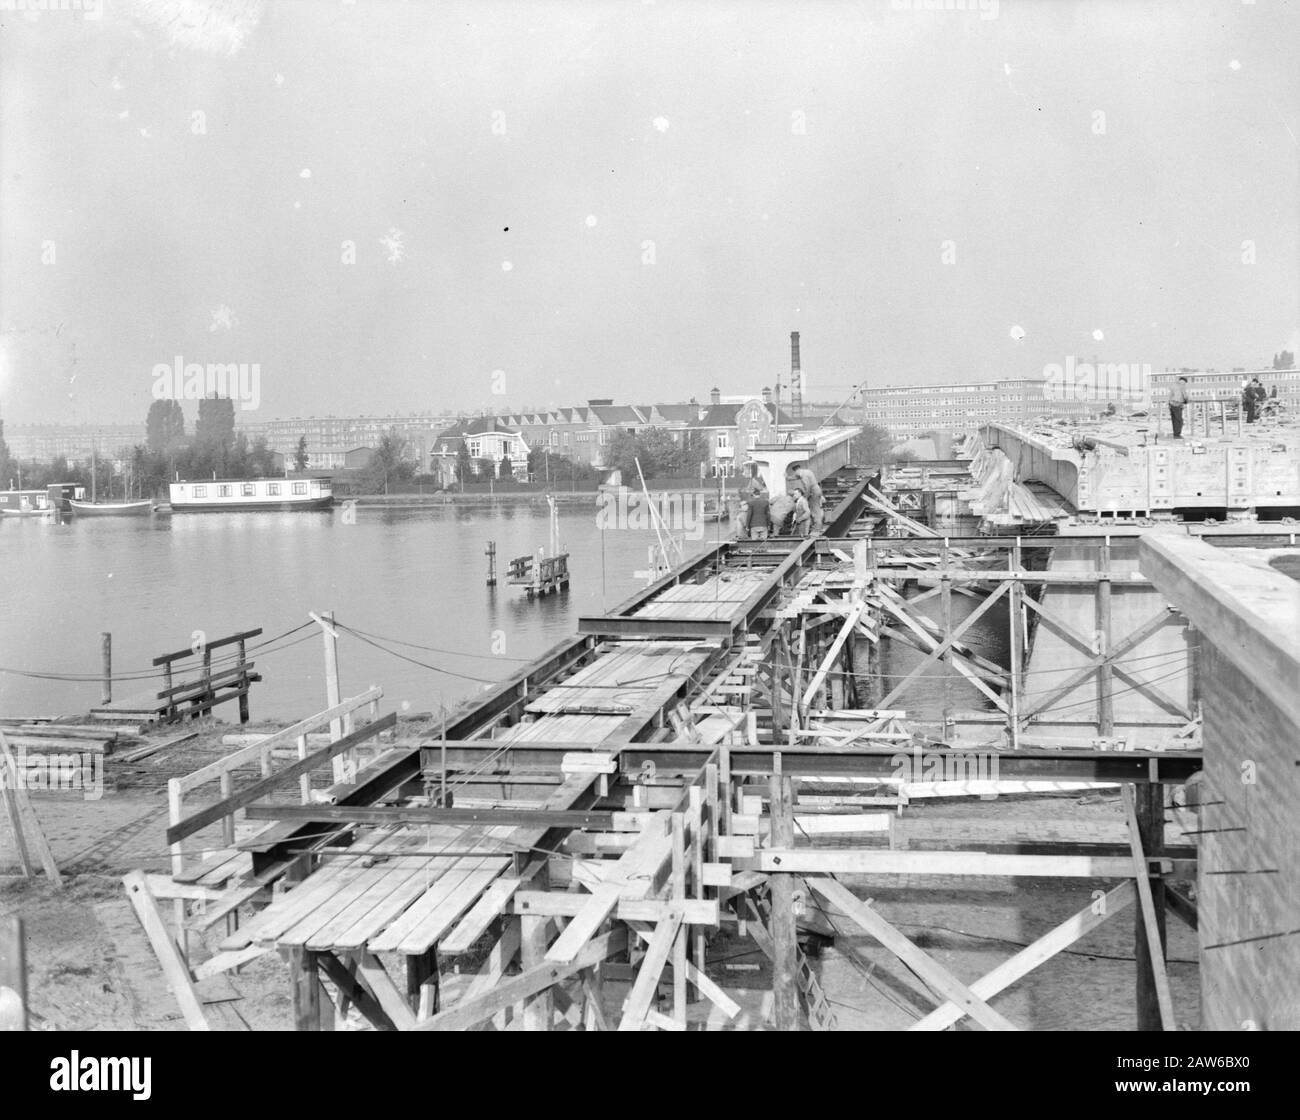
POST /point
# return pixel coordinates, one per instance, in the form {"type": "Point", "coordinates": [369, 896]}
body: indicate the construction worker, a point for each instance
{"type": "Point", "coordinates": [1177, 402]}
{"type": "Point", "coordinates": [813, 491]}
{"type": "Point", "coordinates": [756, 524]}
{"type": "Point", "coordinates": [802, 514]}
{"type": "Point", "coordinates": [1252, 398]}
{"type": "Point", "coordinates": [778, 512]}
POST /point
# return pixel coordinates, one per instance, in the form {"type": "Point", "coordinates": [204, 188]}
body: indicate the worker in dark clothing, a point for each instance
{"type": "Point", "coordinates": [1252, 398]}
{"type": "Point", "coordinates": [802, 513]}
{"type": "Point", "coordinates": [756, 528]}
{"type": "Point", "coordinates": [1177, 402]}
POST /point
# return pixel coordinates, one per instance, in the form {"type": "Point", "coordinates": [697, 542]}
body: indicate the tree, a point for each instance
{"type": "Point", "coordinates": [872, 446]}
{"type": "Point", "coordinates": [165, 426]}
{"type": "Point", "coordinates": [300, 456]}
{"type": "Point", "coordinates": [388, 463]}
{"type": "Point", "coordinates": [504, 468]}
{"type": "Point", "coordinates": [1284, 360]}
{"type": "Point", "coordinates": [214, 435]}
{"type": "Point", "coordinates": [485, 469]}
{"type": "Point", "coordinates": [655, 448]}
{"type": "Point", "coordinates": [261, 459]}
{"type": "Point", "coordinates": [464, 465]}
{"type": "Point", "coordinates": [6, 462]}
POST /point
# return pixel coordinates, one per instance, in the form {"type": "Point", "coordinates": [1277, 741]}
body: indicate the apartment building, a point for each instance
{"type": "Point", "coordinates": [1228, 384]}
{"type": "Point", "coordinates": [907, 411]}
{"type": "Point", "coordinates": [331, 439]}
{"type": "Point", "coordinates": [73, 442]}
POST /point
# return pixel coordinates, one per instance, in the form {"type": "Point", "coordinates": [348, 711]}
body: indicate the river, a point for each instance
{"type": "Point", "coordinates": [414, 576]}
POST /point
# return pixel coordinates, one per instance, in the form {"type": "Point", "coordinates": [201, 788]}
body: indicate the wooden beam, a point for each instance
{"type": "Point", "coordinates": [304, 766]}
{"type": "Point", "coordinates": [350, 988]}
{"type": "Point", "coordinates": [871, 861]}
{"type": "Point", "coordinates": [1030, 957]}
{"type": "Point", "coordinates": [652, 967]}
{"type": "Point", "coordinates": [926, 967]}
{"type": "Point", "coordinates": [632, 876]}
{"type": "Point", "coordinates": [386, 993]}
{"type": "Point", "coordinates": [785, 934]}
{"type": "Point", "coordinates": [850, 621]}
{"type": "Point", "coordinates": [1150, 947]}
{"type": "Point", "coordinates": [534, 932]}
{"type": "Point", "coordinates": [509, 991]}
{"type": "Point", "coordinates": [165, 949]}
{"type": "Point", "coordinates": [944, 647]}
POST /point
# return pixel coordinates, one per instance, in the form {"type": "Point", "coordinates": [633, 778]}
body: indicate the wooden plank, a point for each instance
{"type": "Point", "coordinates": [458, 900]}
{"type": "Point", "coordinates": [283, 738]}
{"type": "Point", "coordinates": [153, 748]}
{"type": "Point", "coordinates": [1155, 947]}
{"type": "Point", "coordinates": [413, 923]}
{"type": "Point", "coordinates": [539, 1010]}
{"type": "Point", "coordinates": [652, 966]}
{"type": "Point", "coordinates": [344, 976]}
{"type": "Point", "coordinates": [223, 962]}
{"type": "Point", "coordinates": [706, 987]}
{"type": "Point", "coordinates": [1030, 957]}
{"type": "Point", "coordinates": [482, 914]}
{"type": "Point", "coordinates": [165, 949]}
{"type": "Point", "coordinates": [19, 805]}
{"type": "Point", "coordinates": [385, 991]}
{"type": "Point", "coordinates": [879, 862]}
{"type": "Point", "coordinates": [247, 796]}
{"type": "Point", "coordinates": [563, 904]}
{"type": "Point", "coordinates": [784, 932]}
{"type": "Point", "coordinates": [631, 877]}
{"type": "Point", "coordinates": [507, 992]}
{"type": "Point", "coordinates": [926, 967]}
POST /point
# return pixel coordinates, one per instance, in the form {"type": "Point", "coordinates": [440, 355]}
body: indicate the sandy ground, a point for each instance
{"type": "Point", "coordinates": [91, 967]}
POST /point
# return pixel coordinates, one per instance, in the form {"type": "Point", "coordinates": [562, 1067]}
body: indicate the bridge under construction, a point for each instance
{"type": "Point", "coordinates": [729, 756]}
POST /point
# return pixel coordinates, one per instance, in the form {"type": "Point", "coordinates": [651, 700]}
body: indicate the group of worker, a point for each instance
{"type": "Point", "coordinates": [796, 513]}
{"type": "Point", "coordinates": [1254, 399]}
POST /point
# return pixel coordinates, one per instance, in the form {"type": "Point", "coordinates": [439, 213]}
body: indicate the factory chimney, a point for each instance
{"type": "Point", "coordinates": [796, 377]}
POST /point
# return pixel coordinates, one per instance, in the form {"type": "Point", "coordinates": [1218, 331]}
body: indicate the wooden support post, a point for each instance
{"type": "Point", "coordinates": [539, 1010]}
{"type": "Point", "coordinates": [678, 825]}
{"type": "Point", "coordinates": [696, 854]}
{"type": "Point", "coordinates": [15, 820]}
{"type": "Point", "coordinates": [945, 614]}
{"type": "Point", "coordinates": [777, 703]}
{"type": "Point", "coordinates": [106, 656]}
{"type": "Point", "coordinates": [785, 942]}
{"type": "Point", "coordinates": [13, 975]}
{"type": "Point", "coordinates": [492, 563]}
{"type": "Point", "coordinates": [306, 989]}
{"type": "Point", "coordinates": [165, 949]}
{"type": "Point", "coordinates": [1105, 673]}
{"type": "Point", "coordinates": [422, 988]}
{"type": "Point", "coordinates": [1144, 807]}
{"type": "Point", "coordinates": [333, 690]}
{"type": "Point", "coordinates": [243, 683]}
{"type": "Point", "coordinates": [16, 801]}
{"type": "Point", "coordinates": [1015, 640]}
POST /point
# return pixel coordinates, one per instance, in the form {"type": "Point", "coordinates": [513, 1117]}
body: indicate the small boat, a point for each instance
{"type": "Point", "coordinates": [31, 511]}
{"type": "Point", "coordinates": [112, 509]}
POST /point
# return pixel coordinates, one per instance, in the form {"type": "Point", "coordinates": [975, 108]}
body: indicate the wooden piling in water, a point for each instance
{"type": "Point", "coordinates": [106, 655]}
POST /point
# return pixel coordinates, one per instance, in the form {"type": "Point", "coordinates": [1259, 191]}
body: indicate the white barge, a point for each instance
{"type": "Point", "coordinates": [218, 494]}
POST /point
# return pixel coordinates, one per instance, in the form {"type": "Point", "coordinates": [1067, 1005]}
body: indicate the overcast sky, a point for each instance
{"type": "Point", "coordinates": [635, 199]}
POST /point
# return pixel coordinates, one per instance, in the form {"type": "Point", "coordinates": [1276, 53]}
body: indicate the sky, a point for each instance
{"type": "Point", "coordinates": [396, 207]}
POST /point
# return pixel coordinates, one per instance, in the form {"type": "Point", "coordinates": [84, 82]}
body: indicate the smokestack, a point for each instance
{"type": "Point", "coordinates": [796, 377]}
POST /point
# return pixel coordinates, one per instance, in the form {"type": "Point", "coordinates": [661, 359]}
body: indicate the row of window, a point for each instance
{"type": "Point", "coordinates": [248, 490]}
